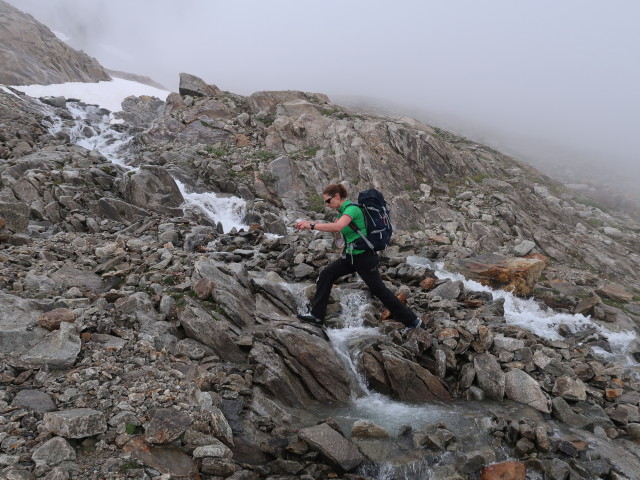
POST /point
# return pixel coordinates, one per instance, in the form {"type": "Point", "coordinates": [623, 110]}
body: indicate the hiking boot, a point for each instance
{"type": "Point", "coordinates": [416, 324]}
{"type": "Point", "coordinates": [310, 318]}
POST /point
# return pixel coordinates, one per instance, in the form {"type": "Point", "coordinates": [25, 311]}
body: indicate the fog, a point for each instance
{"type": "Point", "coordinates": [555, 83]}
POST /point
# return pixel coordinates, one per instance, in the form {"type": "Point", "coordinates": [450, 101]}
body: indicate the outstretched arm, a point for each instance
{"type": "Point", "coordinates": [336, 226]}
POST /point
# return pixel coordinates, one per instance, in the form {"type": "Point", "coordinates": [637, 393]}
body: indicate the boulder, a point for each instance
{"type": "Point", "coordinates": [517, 275]}
{"type": "Point", "coordinates": [15, 216]}
{"type": "Point", "coordinates": [520, 387]}
{"type": "Point", "coordinates": [166, 425]}
{"type": "Point", "coordinates": [296, 367]}
{"type": "Point", "coordinates": [59, 349]}
{"type": "Point", "coordinates": [389, 373]}
{"type": "Point", "coordinates": [153, 188]}
{"type": "Point", "coordinates": [491, 378]}
{"type": "Point", "coordinates": [17, 319]}
{"type": "Point", "coordinates": [211, 330]}
{"type": "Point", "coordinates": [35, 400]}
{"type": "Point", "coordinates": [615, 292]}
{"type": "Point", "coordinates": [367, 429]}
{"type": "Point", "coordinates": [572, 389]}
{"type": "Point", "coordinates": [169, 460]}
{"type": "Point", "coordinates": [196, 87]}
{"type": "Point", "coordinates": [332, 445]}
{"type": "Point", "coordinates": [53, 452]}
{"type": "Point", "coordinates": [75, 423]}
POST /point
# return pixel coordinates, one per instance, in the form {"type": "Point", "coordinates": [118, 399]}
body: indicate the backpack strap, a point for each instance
{"type": "Point", "coordinates": [355, 228]}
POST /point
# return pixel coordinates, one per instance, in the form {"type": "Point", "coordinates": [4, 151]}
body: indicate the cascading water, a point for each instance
{"type": "Point", "coordinates": [93, 129]}
{"type": "Point", "coordinates": [528, 314]}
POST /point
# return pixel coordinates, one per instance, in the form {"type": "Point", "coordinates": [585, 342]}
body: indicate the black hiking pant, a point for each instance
{"type": "Point", "coordinates": [366, 265]}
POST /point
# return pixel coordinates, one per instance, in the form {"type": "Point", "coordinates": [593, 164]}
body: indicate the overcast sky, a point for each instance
{"type": "Point", "coordinates": [559, 79]}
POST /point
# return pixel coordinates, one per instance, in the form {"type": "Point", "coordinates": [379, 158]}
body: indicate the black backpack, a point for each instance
{"type": "Point", "coordinates": [378, 220]}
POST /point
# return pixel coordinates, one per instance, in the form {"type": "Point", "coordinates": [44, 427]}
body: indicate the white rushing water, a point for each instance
{"type": "Point", "coordinates": [228, 210]}
{"type": "Point", "coordinates": [93, 129]}
{"type": "Point", "coordinates": [527, 313]}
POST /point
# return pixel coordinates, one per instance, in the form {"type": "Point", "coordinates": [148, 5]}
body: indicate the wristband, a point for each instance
{"type": "Point", "coordinates": [313, 226]}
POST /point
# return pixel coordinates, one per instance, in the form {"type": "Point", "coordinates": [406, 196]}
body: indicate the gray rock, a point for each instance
{"type": "Point", "coordinates": [15, 215]}
{"type": "Point", "coordinates": [166, 425]}
{"type": "Point", "coordinates": [14, 473]}
{"type": "Point", "coordinates": [473, 461]}
{"type": "Point", "coordinates": [8, 460]}
{"type": "Point", "coordinates": [53, 452]}
{"type": "Point", "coordinates": [563, 411]}
{"type": "Point", "coordinates": [296, 367]}
{"type": "Point", "coordinates": [448, 290]}
{"type": "Point", "coordinates": [18, 322]}
{"type": "Point", "coordinates": [34, 400]}
{"type": "Point", "coordinates": [69, 276]}
{"type": "Point", "coordinates": [572, 389]}
{"type": "Point", "coordinates": [303, 270]}
{"type": "Point", "coordinates": [490, 377]}
{"type": "Point", "coordinates": [211, 330]}
{"type": "Point", "coordinates": [332, 445]}
{"type": "Point", "coordinates": [195, 86]}
{"type": "Point", "coordinates": [153, 188]}
{"type": "Point", "coordinates": [75, 423]}
{"type": "Point", "coordinates": [58, 473]}
{"type": "Point", "coordinates": [507, 343]}
{"type": "Point", "coordinates": [59, 349]}
{"type": "Point", "coordinates": [217, 450]}
{"type": "Point", "coordinates": [520, 387]}
{"type": "Point", "coordinates": [524, 247]}
{"type": "Point", "coordinates": [367, 429]}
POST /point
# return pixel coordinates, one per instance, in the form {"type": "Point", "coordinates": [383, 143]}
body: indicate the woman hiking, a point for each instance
{"type": "Point", "coordinates": [364, 262]}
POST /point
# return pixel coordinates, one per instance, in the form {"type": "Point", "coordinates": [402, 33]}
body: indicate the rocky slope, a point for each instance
{"type": "Point", "coordinates": [31, 54]}
{"type": "Point", "coordinates": [140, 340]}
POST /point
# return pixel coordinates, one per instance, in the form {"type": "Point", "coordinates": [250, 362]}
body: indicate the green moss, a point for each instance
{"type": "Point", "coordinates": [129, 465]}
{"type": "Point", "coordinates": [268, 178]}
{"type": "Point", "coordinates": [589, 202]}
{"type": "Point", "coordinates": [268, 120]}
{"type": "Point", "coordinates": [315, 202]}
{"type": "Point", "coordinates": [264, 155]}
{"type": "Point", "coordinates": [132, 429]}
{"type": "Point", "coordinates": [479, 178]}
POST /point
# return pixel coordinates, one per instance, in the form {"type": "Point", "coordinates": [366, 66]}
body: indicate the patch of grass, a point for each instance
{"type": "Point", "coordinates": [594, 222]}
{"type": "Point", "coordinates": [613, 303]}
{"type": "Point", "coordinates": [268, 178]}
{"type": "Point", "coordinates": [217, 152]}
{"type": "Point", "coordinates": [129, 465]}
{"type": "Point", "coordinates": [170, 280]}
{"type": "Point", "coordinates": [268, 120]}
{"type": "Point", "coordinates": [132, 429]}
{"type": "Point", "coordinates": [264, 155]}
{"type": "Point", "coordinates": [315, 202]}
{"type": "Point", "coordinates": [479, 177]}
{"type": "Point", "coordinates": [591, 203]}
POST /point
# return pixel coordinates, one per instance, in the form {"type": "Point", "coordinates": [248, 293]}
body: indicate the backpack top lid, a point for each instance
{"type": "Point", "coordinates": [371, 196]}
{"type": "Point", "coordinates": [379, 229]}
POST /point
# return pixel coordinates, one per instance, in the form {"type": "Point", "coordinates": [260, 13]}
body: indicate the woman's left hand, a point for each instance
{"type": "Point", "coordinates": [303, 225]}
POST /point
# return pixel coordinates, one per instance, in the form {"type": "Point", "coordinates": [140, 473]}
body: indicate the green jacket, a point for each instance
{"type": "Point", "coordinates": [349, 234]}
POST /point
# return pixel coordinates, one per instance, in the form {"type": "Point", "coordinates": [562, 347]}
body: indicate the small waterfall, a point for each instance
{"type": "Point", "coordinates": [229, 211]}
{"type": "Point", "coordinates": [528, 314]}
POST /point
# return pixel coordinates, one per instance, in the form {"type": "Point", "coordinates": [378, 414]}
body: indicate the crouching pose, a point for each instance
{"type": "Point", "coordinates": [364, 262]}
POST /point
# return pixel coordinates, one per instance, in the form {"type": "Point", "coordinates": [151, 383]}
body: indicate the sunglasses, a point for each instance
{"type": "Point", "coordinates": [329, 199]}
